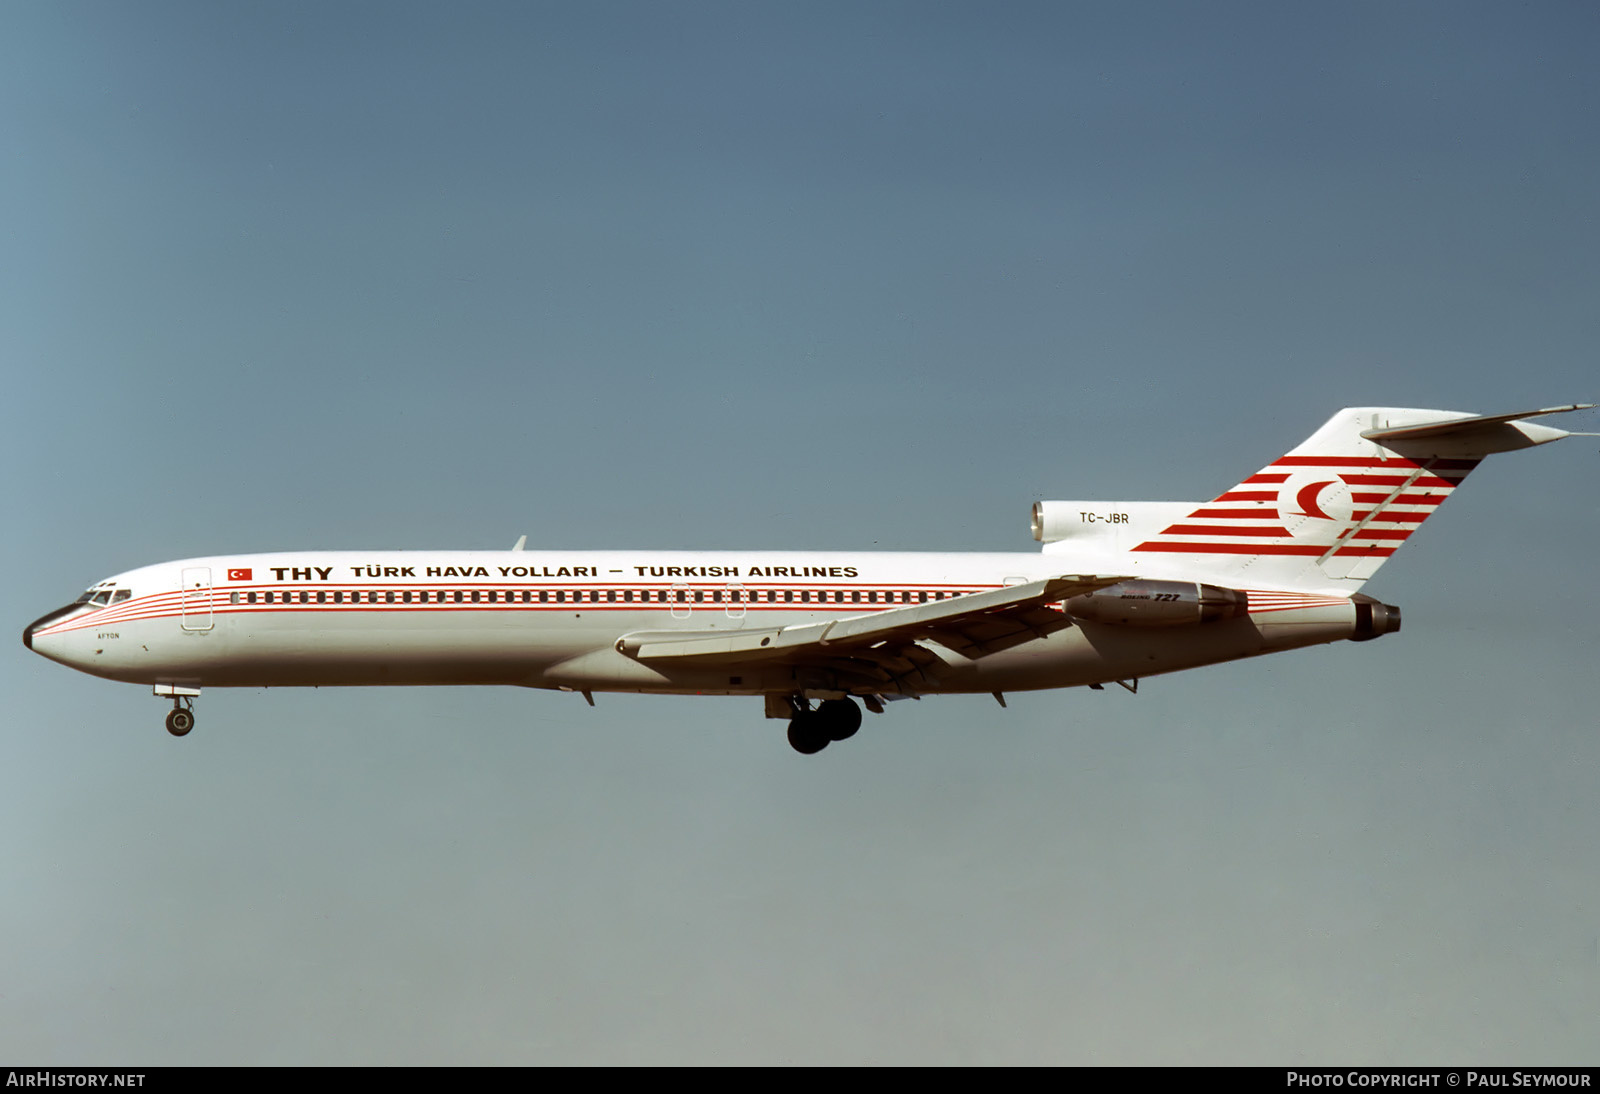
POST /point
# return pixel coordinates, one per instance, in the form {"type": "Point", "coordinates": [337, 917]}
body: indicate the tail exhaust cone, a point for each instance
{"type": "Point", "coordinates": [1374, 619]}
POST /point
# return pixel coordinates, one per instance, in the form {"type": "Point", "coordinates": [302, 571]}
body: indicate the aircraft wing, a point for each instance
{"type": "Point", "coordinates": [882, 650]}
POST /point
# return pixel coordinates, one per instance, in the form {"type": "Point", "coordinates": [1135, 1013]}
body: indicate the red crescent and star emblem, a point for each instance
{"type": "Point", "coordinates": [1307, 499]}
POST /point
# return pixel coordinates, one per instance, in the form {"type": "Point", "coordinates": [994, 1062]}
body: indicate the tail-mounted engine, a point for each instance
{"type": "Point", "coordinates": [1374, 618]}
{"type": "Point", "coordinates": [1159, 604]}
{"type": "Point", "coordinates": [1111, 525]}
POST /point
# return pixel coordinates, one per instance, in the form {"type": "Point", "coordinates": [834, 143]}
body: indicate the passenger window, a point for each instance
{"type": "Point", "coordinates": [322, 597]}
{"type": "Point", "coordinates": [388, 597]}
{"type": "Point", "coordinates": [233, 598]}
{"type": "Point", "coordinates": [250, 598]}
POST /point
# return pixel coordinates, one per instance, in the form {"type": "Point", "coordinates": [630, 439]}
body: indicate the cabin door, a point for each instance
{"type": "Point", "coordinates": [197, 599]}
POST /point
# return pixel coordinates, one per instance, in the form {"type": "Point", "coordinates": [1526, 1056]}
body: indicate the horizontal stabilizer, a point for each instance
{"type": "Point", "coordinates": [1462, 426]}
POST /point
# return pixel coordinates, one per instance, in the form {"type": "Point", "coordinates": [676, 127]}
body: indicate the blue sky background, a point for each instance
{"type": "Point", "coordinates": [796, 276]}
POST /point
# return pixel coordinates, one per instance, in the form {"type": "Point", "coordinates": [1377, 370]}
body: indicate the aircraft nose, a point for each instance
{"type": "Point", "coordinates": [42, 622]}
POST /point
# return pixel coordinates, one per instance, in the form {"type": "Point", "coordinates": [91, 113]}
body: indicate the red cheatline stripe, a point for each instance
{"type": "Point", "coordinates": [1293, 601]}
{"type": "Point", "coordinates": [1393, 518]}
{"type": "Point", "coordinates": [1381, 533]}
{"type": "Point", "coordinates": [1403, 499]}
{"type": "Point", "coordinates": [1226, 514]}
{"type": "Point", "coordinates": [1292, 607]}
{"type": "Point", "coordinates": [1248, 495]}
{"type": "Point", "coordinates": [1188, 548]}
{"type": "Point", "coordinates": [1396, 480]}
{"type": "Point", "coordinates": [1265, 477]}
{"type": "Point", "coordinates": [171, 605]}
{"type": "Point", "coordinates": [1383, 552]}
{"type": "Point", "coordinates": [1268, 530]}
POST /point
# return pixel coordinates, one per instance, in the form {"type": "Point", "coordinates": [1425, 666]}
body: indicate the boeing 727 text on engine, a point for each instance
{"type": "Point", "coordinates": [1120, 591]}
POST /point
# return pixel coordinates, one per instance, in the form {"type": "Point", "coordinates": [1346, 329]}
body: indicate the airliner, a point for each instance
{"type": "Point", "coordinates": [1119, 591]}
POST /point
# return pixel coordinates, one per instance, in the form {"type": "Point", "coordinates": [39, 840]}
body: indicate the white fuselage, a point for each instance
{"type": "Point", "coordinates": [552, 619]}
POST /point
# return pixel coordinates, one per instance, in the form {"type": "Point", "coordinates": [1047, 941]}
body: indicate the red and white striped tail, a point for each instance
{"type": "Point", "coordinates": [1331, 511]}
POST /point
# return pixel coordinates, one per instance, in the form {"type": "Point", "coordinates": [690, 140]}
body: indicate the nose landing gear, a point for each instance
{"type": "Point", "coordinates": [180, 719]}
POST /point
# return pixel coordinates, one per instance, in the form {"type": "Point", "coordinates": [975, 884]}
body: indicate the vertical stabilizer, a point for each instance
{"type": "Point", "coordinates": [1327, 514]}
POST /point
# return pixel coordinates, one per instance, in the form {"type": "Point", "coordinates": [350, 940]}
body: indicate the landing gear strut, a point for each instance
{"type": "Point", "coordinates": [811, 731]}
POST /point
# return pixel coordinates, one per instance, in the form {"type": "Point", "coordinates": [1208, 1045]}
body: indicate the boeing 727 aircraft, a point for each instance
{"type": "Point", "coordinates": [1120, 591]}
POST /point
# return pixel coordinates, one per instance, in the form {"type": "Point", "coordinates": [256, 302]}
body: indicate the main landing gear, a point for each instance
{"type": "Point", "coordinates": [811, 731]}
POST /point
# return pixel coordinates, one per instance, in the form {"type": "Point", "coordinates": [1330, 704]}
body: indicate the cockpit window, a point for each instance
{"type": "Point", "coordinates": [100, 597]}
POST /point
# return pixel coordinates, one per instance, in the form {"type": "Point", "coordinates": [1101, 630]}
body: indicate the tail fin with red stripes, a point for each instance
{"type": "Point", "coordinates": [1332, 510]}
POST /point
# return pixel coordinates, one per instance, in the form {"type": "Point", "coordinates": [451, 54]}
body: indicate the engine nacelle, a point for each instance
{"type": "Point", "coordinates": [1159, 604]}
{"type": "Point", "coordinates": [1374, 618]}
{"type": "Point", "coordinates": [1105, 524]}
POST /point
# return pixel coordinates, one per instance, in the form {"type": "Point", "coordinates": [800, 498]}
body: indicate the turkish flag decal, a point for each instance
{"type": "Point", "coordinates": [239, 575]}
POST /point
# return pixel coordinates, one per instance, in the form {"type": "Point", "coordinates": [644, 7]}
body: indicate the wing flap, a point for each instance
{"type": "Point", "coordinates": [972, 625]}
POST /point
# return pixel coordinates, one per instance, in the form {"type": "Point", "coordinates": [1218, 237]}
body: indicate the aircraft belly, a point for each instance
{"type": "Point", "coordinates": [402, 648]}
{"type": "Point", "coordinates": [1090, 653]}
